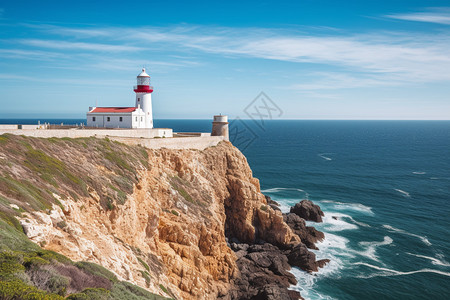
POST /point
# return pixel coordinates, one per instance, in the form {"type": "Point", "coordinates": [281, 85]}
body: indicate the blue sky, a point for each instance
{"type": "Point", "coordinates": [316, 59]}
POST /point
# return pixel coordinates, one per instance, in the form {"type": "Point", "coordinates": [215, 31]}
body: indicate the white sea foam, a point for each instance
{"type": "Point", "coordinates": [390, 272]}
{"type": "Point", "coordinates": [434, 260]}
{"type": "Point", "coordinates": [286, 202]}
{"type": "Point", "coordinates": [406, 194]}
{"type": "Point", "coordinates": [332, 247]}
{"type": "Point", "coordinates": [322, 155]}
{"type": "Point", "coordinates": [359, 223]}
{"type": "Point", "coordinates": [419, 173]}
{"type": "Point", "coordinates": [329, 244]}
{"type": "Point", "coordinates": [422, 238]}
{"type": "Point", "coordinates": [305, 285]}
{"type": "Point", "coordinates": [371, 248]}
{"type": "Point", "coordinates": [276, 190]}
{"type": "Point", "coordinates": [348, 206]}
{"type": "Point", "coordinates": [333, 222]}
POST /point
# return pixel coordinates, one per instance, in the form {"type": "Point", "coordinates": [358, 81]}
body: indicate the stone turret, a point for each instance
{"type": "Point", "coordinates": [220, 127]}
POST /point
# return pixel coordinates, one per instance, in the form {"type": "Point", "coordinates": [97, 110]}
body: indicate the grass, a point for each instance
{"type": "Point", "coordinates": [26, 270]}
{"type": "Point", "coordinates": [176, 182]}
{"type": "Point", "coordinates": [25, 191]}
{"type": "Point", "coordinates": [143, 263]}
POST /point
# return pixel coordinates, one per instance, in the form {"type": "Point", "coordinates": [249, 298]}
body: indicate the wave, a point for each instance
{"type": "Point", "coordinates": [406, 194]}
{"type": "Point", "coordinates": [322, 155]}
{"type": "Point", "coordinates": [434, 261]}
{"type": "Point", "coordinates": [286, 201]}
{"type": "Point", "coordinates": [277, 190]}
{"type": "Point", "coordinates": [422, 238]}
{"type": "Point", "coordinates": [333, 247]}
{"type": "Point", "coordinates": [348, 206]}
{"type": "Point", "coordinates": [390, 272]}
{"type": "Point", "coordinates": [419, 173]}
{"type": "Point", "coordinates": [335, 222]}
{"type": "Point", "coordinates": [359, 223]}
{"type": "Point", "coordinates": [371, 249]}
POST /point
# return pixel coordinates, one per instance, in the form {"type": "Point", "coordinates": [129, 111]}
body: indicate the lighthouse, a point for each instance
{"type": "Point", "coordinates": [143, 91]}
{"type": "Point", "coordinates": [140, 116]}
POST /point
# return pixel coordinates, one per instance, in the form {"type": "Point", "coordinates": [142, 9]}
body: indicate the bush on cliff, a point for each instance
{"type": "Point", "coordinates": [30, 272]}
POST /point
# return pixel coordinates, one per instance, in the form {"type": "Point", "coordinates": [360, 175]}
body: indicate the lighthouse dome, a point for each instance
{"type": "Point", "coordinates": [143, 73]}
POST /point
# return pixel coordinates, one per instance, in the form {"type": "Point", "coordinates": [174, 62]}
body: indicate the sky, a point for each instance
{"type": "Point", "coordinates": [315, 59]}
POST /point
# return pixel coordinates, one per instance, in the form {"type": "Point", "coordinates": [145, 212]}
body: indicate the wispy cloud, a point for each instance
{"type": "Point", "coordinates": [64, 45]}
{"type": "Point", "coordinates": [358, 60]}
{"type": "Point", "coordinates": [435, 15]}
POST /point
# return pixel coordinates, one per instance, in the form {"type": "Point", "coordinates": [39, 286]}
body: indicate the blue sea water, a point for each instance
{"type": "Point", "coordinates": [384, 187]}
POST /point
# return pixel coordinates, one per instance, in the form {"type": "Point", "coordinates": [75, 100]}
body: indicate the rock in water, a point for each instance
{"type": "Point", "coordinates": [308, 211]}
{"type": "Point", "coordinates": [263, 273]}
{"type": "Point", "coordinates": [272, 203]}
{"type": "Point", "coordinates": [308, 234]}
{"type": "Point", "coordinates": [299, 256]}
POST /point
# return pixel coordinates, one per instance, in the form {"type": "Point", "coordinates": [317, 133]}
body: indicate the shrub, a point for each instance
{"type": "Point", "coordinates": [91, 294]}
{"type": "Point", "coordinates": [96, 270]}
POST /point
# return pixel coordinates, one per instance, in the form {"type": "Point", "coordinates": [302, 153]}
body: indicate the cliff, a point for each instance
{"type": "Point", "coordinates": [160, 219]}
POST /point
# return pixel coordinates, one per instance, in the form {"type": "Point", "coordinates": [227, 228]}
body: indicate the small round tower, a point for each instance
{"type": "Point", "coordinates": [220, 127]}
{"type": "Point", "coordinates": [143, 91]}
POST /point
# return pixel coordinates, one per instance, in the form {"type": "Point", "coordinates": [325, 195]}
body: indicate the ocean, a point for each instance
{"type": "Point", "coordinates": [384, 187]}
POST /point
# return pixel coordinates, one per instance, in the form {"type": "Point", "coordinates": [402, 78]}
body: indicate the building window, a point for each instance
{"type": "Point", "coordinates": [141, 119]}
{"type": "Point", "coordinates": [139, 99]}
{"type": "Point", "coordinates": [93, 119]}
{"type": "Point", "coordinates": [108, 119]}
{"type": "Point", "coordinates": [120, 119]}
{"type": "Point", "coordinates": [136, 119]}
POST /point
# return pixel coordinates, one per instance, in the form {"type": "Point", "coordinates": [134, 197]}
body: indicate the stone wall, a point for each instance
{"type": "Point", "coordinates": [198, 143]}
{"type": "Point", "coordinates": [77, 133]}
{"type": "Point", "coordinates": [150, 138]}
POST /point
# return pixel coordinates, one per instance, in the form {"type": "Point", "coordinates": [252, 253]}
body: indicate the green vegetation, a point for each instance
{"type": "Point", "coordinates": [49, 167]}
{"type": "Point", "coordinates": [143, 263]}
{"type": "Point", "coordinates": [163, 288]}
{"type": "Point", "coordinates": [4, 138]}
{"type": "Point", "coordinates": [263, 207]}
{"type": "Point", "coordinates": [146, 276]}
{"type": "Point", "coordinates": [25, 191]}
{"type": "Point", "coordinates": [28, 272]}
{"type": "Point", "coordinates": [177, 184]}
{"type": "Point", "coordinates": [46, 166]}
{"type": "Point", "coordinates": [166, 290]}
{"type": "Point", "coordinates": [174, 212]}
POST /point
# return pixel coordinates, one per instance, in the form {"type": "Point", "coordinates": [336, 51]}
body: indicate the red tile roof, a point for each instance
{"type": "Point", "coordinates": [113, 109]}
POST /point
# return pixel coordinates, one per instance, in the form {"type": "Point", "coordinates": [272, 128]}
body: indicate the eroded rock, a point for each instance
{"type": "Point", "coordinates": [308, 211]}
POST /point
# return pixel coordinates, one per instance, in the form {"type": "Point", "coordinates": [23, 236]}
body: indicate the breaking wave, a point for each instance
{"type": "Point", "coordinates": [434, 260]}
{"type": "Point", "coordinates": [348, 206]}
{"type": "Point", "coordinates": [389, 272]}
{"type": "Point", "coordinates": [422, 238]}
{"type": "Point", "coordinates": [322, 155]}
{"type": "Point", "coordinates": [406, 194]}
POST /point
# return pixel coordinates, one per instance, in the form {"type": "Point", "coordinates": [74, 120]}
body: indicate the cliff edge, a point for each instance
{"type": "Point", "coordinates": [170, 221]}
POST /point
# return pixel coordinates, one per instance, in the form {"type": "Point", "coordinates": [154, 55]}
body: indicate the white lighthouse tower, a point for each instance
{"type": "Point", "coordinates": [143, 92]}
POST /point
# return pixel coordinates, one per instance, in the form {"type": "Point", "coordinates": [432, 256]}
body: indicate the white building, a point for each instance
{"type": "Point", "coordinates": [139, 116]}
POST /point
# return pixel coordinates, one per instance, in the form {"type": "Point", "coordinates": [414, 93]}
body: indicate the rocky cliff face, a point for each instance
{"type": "Point", "coordinates": [158, 218]}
